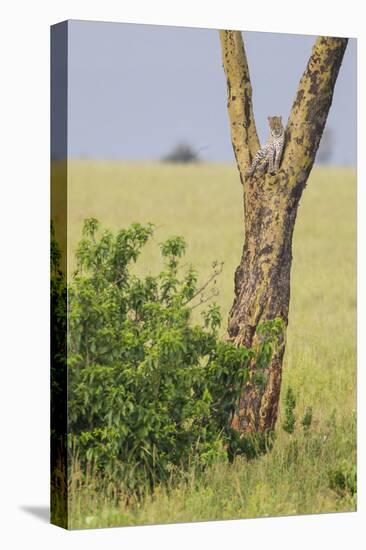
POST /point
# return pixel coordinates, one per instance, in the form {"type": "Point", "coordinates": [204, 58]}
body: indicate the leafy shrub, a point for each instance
{"type": "Point", "coordinates": [290, 418]}
{"type": "Point", "coordinates": [149, 391]}
{"type": "Point", "coordinates": [343, 479]}
{"type": "Point", "coordinates": [307, 419]}
{"type": "Point", "coordinates": [58, 350]}
{"type": "Point", "coordinates": [58, 339]}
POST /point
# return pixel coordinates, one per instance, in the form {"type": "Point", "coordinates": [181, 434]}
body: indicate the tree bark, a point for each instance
{"type": "Point", "coordinates": [262, 280]}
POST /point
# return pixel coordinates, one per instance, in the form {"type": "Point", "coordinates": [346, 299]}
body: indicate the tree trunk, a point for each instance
{"type": "Point", "coordinates": [262, 280]}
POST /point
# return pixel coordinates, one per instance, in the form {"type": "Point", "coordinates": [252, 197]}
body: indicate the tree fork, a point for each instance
{"type": "Point", "coordinates": [262, 279]}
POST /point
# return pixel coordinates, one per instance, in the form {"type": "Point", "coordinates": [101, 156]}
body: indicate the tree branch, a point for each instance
{"type": "Point", "coordinates": [217, 271]}
{"type": "Point", "coordinates": [239, 90]}
{"type": "Point", "coordinates": [203, 299]}
{"type": "Point", "coordinates": [310, 108]}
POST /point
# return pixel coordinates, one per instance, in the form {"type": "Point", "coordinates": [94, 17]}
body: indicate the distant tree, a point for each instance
{"type": "Point", "coordinates": [182, 153]}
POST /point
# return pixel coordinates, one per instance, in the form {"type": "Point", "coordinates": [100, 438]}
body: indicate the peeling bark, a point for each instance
{"type": "Point", "coordinates": [262, 280]}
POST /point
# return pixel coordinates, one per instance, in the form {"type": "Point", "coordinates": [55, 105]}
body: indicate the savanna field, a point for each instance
{"type": "Point", "coordinates": [308, 471]}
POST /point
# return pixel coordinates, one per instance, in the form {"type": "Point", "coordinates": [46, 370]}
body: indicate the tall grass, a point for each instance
{"type": "Point", "coordinates": [294, 478]}
{"type": "Point", "coordinates": [204, 203]}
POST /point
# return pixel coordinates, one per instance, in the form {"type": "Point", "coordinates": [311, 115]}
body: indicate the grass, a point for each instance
{"type": "Point", "coordinates": [292, 479]}
{"type": "Point", "coordinates": [204, 204]}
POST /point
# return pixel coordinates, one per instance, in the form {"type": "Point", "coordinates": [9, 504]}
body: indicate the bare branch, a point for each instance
{"type": "Point", "coordinates": [214, 292]}
{"type": "Point", "coordinates": [243, 131]}
{"type": "Point", "coordinates": [213, 276]}
{"type": "Point", "coordinates": [310, 108]}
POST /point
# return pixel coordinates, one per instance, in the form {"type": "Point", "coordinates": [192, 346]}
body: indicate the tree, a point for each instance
{"type": "Point", "coordinates": [262, 279]}
{"type": "Point", "coordinates": [182, 153]}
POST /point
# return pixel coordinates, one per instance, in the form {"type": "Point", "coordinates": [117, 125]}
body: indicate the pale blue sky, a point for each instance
{"type": "Point", "coordinates": [136, 90]}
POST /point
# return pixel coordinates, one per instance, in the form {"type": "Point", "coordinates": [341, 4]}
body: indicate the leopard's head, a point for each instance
{"type": "Point", "coordinates": [275, 126]}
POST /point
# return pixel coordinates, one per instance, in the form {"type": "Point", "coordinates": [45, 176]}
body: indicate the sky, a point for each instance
{"type": "Point", "coordinates": [135, 91]}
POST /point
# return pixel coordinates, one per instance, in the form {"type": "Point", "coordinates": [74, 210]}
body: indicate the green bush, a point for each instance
{"type": "Point", "coordinates": [290, 418]}
{"type": "Point", "coordinates": [149, 390]}
{"type": "Point", "coordinates": [343, 479]}
{"type": "Point", "coordinates": [307, 419]}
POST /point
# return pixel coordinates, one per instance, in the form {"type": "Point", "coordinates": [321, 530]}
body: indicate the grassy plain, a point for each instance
{"type": "Point", "coordinates": [204, 204]}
